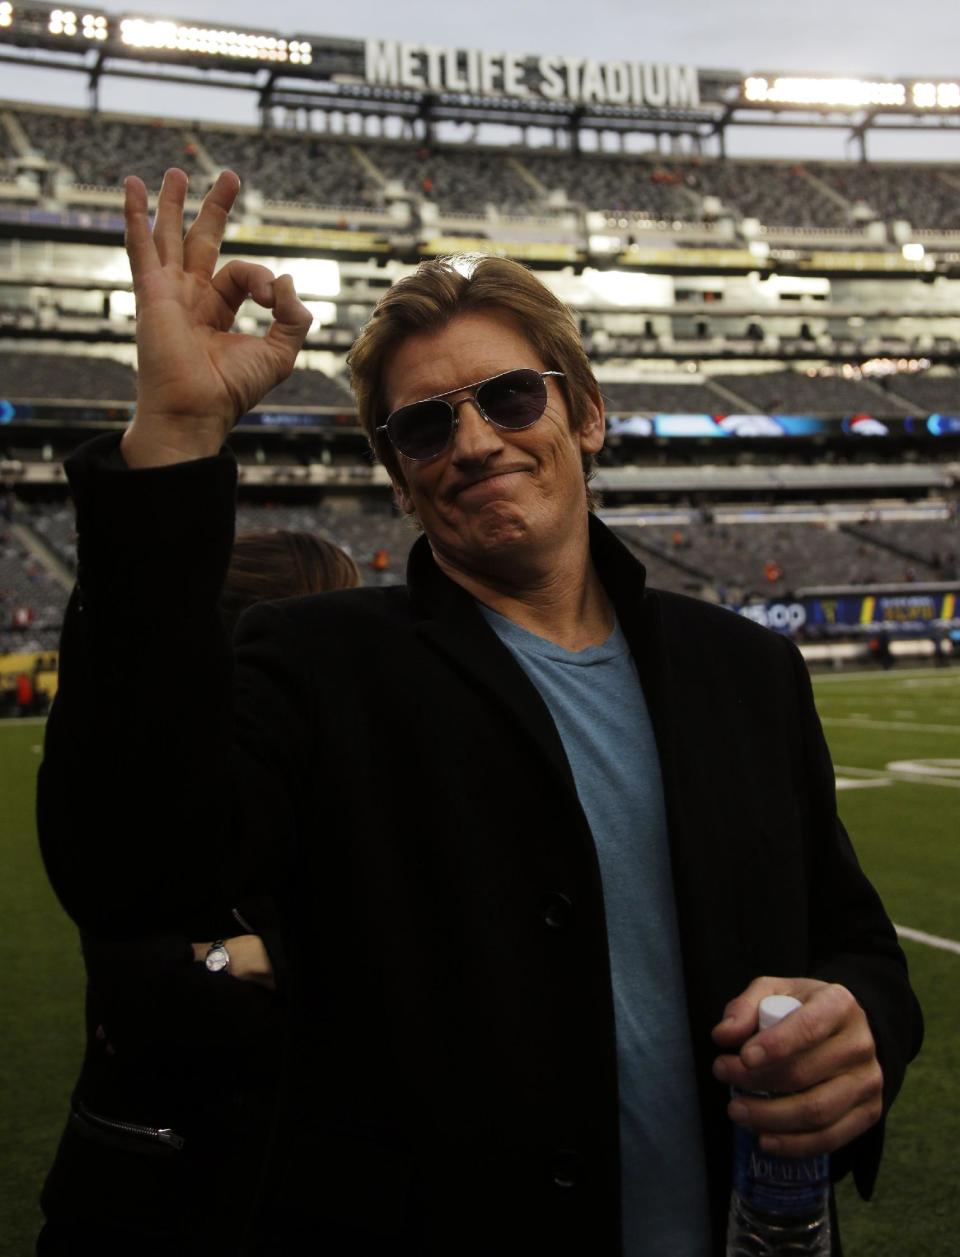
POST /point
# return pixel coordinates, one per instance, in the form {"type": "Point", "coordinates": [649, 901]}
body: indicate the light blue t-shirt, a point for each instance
{"type": "Point", "coordinates": [598, 707]}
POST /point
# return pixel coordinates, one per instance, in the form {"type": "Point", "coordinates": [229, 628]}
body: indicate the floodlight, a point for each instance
{"type": "Point", "coordinates": [319, 276]}
{"type": "Point", "coordinates": [836, 93]}
{"type": "Point", "coordinates": [324, 312]}
{"type": "Point", "coordinates": [913, 251]}
{"type": "Point", "coordinates": [123, 304]}
{"type": "Point", "coordinates": [925, 95]}
{"type": "Point", "coordinates": [6, 13]}
{"type": "Point", "coordinates": [209, 41]}
{"type": "Point", "coordinates": [62, 22]}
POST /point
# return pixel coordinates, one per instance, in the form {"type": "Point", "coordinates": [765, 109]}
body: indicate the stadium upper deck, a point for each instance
{"type": "Point", "coordinates": [78, 159]}
{"type": "Point", "coordinates": [744, 296]}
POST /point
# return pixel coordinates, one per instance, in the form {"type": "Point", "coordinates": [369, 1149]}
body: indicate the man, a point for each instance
{"type": "Point", "coordinates": [533, 832]}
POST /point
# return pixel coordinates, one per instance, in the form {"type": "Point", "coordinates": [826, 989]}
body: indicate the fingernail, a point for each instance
{"type": "Point", "coordinates": [753, 1056]}
{"type": "Point", "coordinates": [738, 1112]}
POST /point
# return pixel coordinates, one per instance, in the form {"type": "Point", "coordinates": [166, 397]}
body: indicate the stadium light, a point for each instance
{"type": "Point", "coordinates": [913, 251]}
{"type": "Point", "coordinates": [94, 26]}
{"type": "Point", "coordinates": [169, 36]}
{"type": "Point", "coordinates": [936, 95]}
{"type": "Point", "coordinates": [324, 312]}
{"type": "Point", "coordinates": [123, 304]}
{"type": "Point", "coordinates": [6, 13]}
{"type": "Point", "coordinates": [62, 22]}
{"type": "Point", "coordinates": [629, 288]}
{"type": "Point", "coordinates": [318, 276]}
{"type": "Point", "coordinates": [827, 93]}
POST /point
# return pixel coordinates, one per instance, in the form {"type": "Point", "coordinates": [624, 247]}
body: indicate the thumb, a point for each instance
{"type": "Point", "coordinates": [741, 1015]}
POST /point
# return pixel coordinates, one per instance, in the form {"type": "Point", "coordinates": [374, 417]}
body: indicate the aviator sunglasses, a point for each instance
{"type": "Point", "coordinates": [512, 401]}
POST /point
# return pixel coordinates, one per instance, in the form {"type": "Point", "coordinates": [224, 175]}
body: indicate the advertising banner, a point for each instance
{"type": "Point", "coordinates": [894, 614]}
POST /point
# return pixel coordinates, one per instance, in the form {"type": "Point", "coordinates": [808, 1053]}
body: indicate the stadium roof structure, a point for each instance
{"type": "Point", "coordinates": [431, 84]}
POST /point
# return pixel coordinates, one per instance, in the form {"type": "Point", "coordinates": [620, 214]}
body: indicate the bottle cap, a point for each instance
{"type": "Point", "coordinates": [774, 1008]}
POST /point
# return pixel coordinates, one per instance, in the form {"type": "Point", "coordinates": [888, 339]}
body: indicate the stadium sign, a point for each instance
{"type": "Point", "coordinates": [901, 615]}
{"type": "Point", "coordinates": [429, 67]}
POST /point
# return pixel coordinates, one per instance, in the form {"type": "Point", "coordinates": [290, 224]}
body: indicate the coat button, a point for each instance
{"type": "Point", "coordinates": [556, 911]}
{"type": "Point", "coordinates": [566, 1169]}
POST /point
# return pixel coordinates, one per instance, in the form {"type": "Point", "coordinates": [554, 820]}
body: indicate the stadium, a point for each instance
{"type": "Point", "coordinates": [776, 342]}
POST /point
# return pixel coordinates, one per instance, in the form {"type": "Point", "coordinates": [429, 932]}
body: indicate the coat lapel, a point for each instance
{"type": "Point", "coordinates": [448, 618]}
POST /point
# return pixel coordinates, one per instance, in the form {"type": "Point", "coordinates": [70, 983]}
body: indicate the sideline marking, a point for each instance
{"type": "Point", "coordinates": [931, 940]}
{"type": "Point", "coordinates": [854, 722]}
{"type": "Point", "coordinates": [907, 772]}
{"type": "Point", "coordinates": [861, 783]}
{"type": "Point", "coordinates": [927, 772]}
{"type": "Point", "coordinates": [905, 676]}
{"type": "Point", "coordinates": [849, 778]}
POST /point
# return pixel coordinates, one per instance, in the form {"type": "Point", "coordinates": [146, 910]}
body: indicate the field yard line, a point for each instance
{"type": "Point", "coordinates": [849, 771]}
{"type": "Point", "coordinates": [862, 783]}
{"type": "Point", "coordinates": [931, 940]}
{"type": "Point", "coordinates": [889, 677]}
{"type": "Point", "coordinates": [855, 723]}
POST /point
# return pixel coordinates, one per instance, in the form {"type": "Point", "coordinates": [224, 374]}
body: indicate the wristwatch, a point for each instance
{"type": "Point", "coordinates": [217, 957]}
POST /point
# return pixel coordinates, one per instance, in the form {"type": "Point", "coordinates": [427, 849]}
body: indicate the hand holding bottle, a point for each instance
{"type": "Point", "coordinates": [821, 1063]}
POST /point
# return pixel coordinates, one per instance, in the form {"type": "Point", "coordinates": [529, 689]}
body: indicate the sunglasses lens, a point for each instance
{"type": "Point", "coordinates": [422, 430]}
{"type": "Point", "coordinates": [514, 400]}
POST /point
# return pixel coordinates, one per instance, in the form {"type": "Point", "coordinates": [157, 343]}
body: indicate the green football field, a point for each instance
{"type": "Point", "coordinates": [895, 739]}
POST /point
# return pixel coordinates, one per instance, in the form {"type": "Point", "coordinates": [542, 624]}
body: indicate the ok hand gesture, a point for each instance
{"type": "Point", "coordinates": [196, 377]}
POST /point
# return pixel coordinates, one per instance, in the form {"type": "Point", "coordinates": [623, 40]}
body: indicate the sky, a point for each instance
{"type": "Point", "coordinates": [854, 38]}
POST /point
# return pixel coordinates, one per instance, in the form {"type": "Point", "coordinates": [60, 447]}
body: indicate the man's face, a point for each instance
{"type": "Point", "coordinates": [492, 495]}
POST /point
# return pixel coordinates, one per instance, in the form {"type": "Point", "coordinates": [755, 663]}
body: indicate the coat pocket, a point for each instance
{"type": "Point", "coordinates": [126, 1136]}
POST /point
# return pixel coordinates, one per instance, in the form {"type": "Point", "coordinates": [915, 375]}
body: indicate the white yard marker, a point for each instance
{"type": "Point", "coordinates": [931, 940]}
{"type": "Point", "coordinates": [856, 722]}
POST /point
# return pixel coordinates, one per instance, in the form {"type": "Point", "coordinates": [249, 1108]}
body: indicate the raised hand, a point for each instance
{"type": "Point", "coordinates": [195, 376]}
{"type": "Point", "coordinates": [821, 1061]}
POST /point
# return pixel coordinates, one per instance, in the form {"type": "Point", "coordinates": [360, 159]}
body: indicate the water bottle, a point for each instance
{"type": "Point", "coordinates": [780, 1206]}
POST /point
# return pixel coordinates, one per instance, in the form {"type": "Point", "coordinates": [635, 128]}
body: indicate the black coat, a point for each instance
{"type": "Point", "coordinates": [378, 761]}
{"type": "Point", "coordinates": [171, 1115]}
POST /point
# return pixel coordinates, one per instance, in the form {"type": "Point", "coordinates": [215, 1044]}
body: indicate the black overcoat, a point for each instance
{"type": "Point", "coordinates": [378, 762]}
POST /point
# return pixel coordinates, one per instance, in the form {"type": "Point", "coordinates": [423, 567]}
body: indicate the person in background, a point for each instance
{"type": "Point", "coordinates": [170, 1117]}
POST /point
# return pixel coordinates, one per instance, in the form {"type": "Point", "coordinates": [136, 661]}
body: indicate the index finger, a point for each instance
{"type": "Point", "coordinates": [818, 1018]}
{"type": "Point", "coordinates": [201, 246]}
{"type": "Point", "coordinates": [138, 239]}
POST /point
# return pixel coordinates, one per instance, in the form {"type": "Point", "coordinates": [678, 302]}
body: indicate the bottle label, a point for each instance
{"type": "Point", "coordinates": [791, 1186]}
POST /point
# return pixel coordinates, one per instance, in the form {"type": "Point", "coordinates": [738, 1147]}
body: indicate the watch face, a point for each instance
{"type": "Point", "coordinates": [217, 959]}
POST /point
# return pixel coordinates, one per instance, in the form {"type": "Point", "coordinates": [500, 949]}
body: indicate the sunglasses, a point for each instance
{"type": "Point", "coordinates": [512, 401]}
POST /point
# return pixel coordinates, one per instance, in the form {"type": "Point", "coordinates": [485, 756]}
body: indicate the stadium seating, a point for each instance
{"type": "Point", "coordinates": [794, 392]}
{"type": "Point", "coordinates": [737, 561]}
{"type": "Point", "coordinates": [71, 376]}
{"type": "Point", "coordinates": [460, 181]}
{"type": "Point", "coordinates": [615, 183]}
{"type": "Point", "coordinates": [300, 168]}
{"type": "Point", "coordinates": [775, 193]}
{"type": "Point", "coordinates": [922, 196]}
{"type": "Point", "coordinates": [311, 169]}
{"type": "Point", "coordinates": [927, 393]}
{"type": "Point", "coordinates": [31, 600]}
{"type": "Point", "coordinates": [101, 151]}
{"type": "Point", "coordinates": [309, 388]}
{"type": "Point", "coordinates": [684, 399]}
